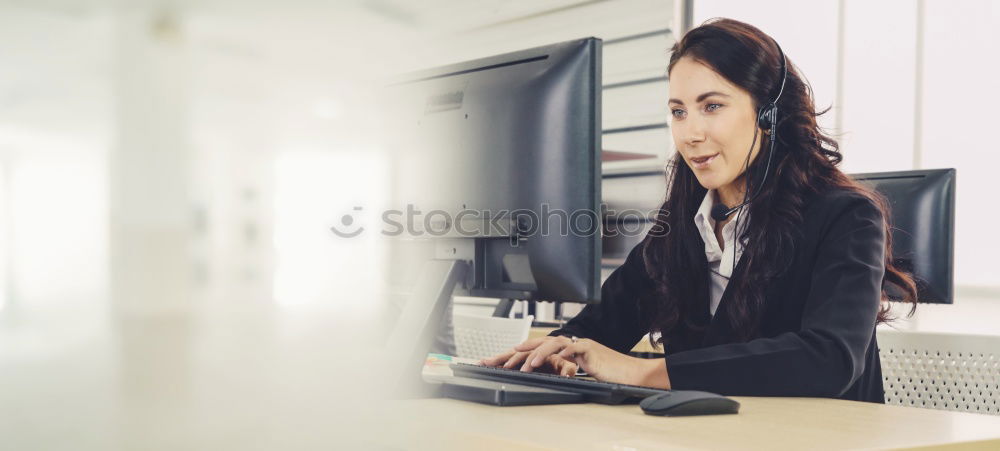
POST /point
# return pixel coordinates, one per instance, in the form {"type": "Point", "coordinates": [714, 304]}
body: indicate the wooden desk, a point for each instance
{"type": "Point", "coordinates": [763, 423]}
{"type": "Point", "coordinates": [641, 346]}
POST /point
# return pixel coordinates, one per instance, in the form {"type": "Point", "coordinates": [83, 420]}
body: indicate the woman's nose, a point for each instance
{"type": "Point", "coordinates": [694, 133]}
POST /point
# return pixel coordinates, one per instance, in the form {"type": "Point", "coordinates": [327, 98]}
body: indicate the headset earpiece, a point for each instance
{"type": "Point", "coordinates": [765, 120]}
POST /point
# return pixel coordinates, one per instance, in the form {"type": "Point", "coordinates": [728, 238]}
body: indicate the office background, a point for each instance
{"type": "Point", "coordinates": [166, 159]}
{"type": "Point", "coordinates": [200, 141]}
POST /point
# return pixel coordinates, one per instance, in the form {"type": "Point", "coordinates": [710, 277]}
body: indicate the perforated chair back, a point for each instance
{"type": "Point", "coordinates": [941, 371]}
{"type": "Point", "coordinates": [478, 337]}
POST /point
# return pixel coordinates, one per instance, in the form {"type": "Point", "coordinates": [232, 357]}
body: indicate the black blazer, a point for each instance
{"type": "Point", "coordinates": [817, 332]}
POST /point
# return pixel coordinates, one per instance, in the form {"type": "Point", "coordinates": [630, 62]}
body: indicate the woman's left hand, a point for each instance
{"type": "Point", "coordinates": [606, 364]}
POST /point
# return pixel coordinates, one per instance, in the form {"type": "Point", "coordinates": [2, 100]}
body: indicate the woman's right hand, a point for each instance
{"type": "Point", "coordinates": [540, 353]}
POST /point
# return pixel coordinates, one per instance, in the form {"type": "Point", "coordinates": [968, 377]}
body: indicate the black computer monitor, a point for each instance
{"type": "Point", "coordinates": [501, 158]}
{"type": "Point", "coordinates": [496, 177]}
{"type": "Point", "coordinates": [922, 218]}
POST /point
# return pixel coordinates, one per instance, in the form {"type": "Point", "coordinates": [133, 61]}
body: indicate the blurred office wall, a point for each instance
{"type": "Point", "coordinates": [161, 154]}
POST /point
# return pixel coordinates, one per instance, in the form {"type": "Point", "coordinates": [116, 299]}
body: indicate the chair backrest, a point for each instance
{"type": "Point", "coordinates": [941, 371]}
{"type": "Point", "coordinates": [478, 337]}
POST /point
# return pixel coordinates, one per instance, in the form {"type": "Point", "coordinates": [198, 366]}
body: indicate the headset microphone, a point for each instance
{"type": "Point", "coordinates": [720, 212]}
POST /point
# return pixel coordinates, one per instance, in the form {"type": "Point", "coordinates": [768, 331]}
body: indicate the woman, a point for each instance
{"type": "Point", "coordinates": [808, 253]}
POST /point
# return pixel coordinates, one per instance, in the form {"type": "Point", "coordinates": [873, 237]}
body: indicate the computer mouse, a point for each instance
{"type": "Point", "coordinates": [677, 403]}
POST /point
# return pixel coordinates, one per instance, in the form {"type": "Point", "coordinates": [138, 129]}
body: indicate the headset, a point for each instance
{"type": "Point", "coordinates": [767, 119]}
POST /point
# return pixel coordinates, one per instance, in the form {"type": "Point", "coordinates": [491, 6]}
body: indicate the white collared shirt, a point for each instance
{"type": "Point", "coordinates": [720, 258]}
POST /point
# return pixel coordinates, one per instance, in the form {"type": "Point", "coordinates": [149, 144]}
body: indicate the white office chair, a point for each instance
{"type": "Point", "coordinates": [478, 337]}
{"type": "Point", "coordinates": [941, 371]}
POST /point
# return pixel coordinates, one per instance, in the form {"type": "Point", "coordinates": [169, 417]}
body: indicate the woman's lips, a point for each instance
{"type": "Point", "coordinates": [703, 162]}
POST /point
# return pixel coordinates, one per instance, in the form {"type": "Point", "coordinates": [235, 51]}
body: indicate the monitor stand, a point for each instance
{"type": "Point", "coordinates": [420, 323]}
{"type": "Point", "coordinates": [503, 308]}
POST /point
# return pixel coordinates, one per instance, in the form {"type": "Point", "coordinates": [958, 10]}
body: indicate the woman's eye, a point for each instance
{"type": "Point", "coordinates": [678, 114]}
{"type": "Point", "coordinates": [713, 106]}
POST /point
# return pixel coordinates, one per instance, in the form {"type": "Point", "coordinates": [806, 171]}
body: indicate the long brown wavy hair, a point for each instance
{"type": "Point", "coordinates": [804, 163]}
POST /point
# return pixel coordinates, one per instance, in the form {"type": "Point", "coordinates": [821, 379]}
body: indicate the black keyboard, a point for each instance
{"type": "Point", "coordinates": [592, 391]}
